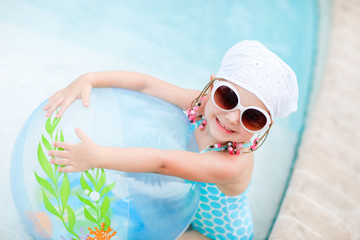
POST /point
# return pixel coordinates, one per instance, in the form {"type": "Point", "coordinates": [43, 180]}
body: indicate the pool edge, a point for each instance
{"type": "Point", "coordinates": [323, 197]}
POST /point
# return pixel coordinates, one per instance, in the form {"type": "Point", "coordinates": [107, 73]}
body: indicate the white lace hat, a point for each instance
{"type": "Point", "coordinates": [253, 67]}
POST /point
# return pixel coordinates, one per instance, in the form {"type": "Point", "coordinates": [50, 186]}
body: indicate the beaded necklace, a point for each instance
{"type": "Point", "coordinates": [234, 148]}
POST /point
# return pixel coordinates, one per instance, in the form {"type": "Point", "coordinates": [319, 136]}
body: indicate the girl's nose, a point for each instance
{"type": "Point", "coordinates": [233, 116]}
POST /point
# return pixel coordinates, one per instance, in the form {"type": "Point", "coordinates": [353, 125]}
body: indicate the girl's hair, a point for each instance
{"type": "Point", "coordinates": [203, 93]}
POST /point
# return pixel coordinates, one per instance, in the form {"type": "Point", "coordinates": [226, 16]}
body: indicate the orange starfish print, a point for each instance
{"type": "Point", "coordinates": [101, 234]}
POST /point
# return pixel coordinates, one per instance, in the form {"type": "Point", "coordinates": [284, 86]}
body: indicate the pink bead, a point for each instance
{"type": "Point", "coordinates": [230, 149]}
{"type": "Point", "coordinates": [188, 111]}
{"type": "Point", "coordinates": [204, 122]}
{"type": "Point", "coordinates": [253, 147]}
{"type": "Point", "coordinates": [202, 99]}
{"type": "Point", "coordinates": [240, 145]}
{"type": "Point", "coordinates": [195, 108]}
{"type": "Point", "coordinates": [202, 127]}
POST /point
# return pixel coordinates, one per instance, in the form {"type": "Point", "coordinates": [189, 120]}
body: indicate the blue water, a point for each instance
{"type": "Point", "coordinates": [181, 42]}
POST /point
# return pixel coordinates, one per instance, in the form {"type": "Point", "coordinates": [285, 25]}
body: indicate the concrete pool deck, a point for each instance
{"type": "Point", "coordinates": [323, 197]}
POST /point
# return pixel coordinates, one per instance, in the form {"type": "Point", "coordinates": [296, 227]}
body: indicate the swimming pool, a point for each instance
{"type": "Point", "coordinates": [179, 41]}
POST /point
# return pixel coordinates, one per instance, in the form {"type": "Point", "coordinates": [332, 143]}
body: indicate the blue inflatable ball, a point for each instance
{"type": "Point", "coordinates": [99, 203]}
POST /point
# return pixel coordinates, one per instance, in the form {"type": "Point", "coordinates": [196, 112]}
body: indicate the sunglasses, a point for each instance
{"type": "Point", "coordinates": [226, 98]}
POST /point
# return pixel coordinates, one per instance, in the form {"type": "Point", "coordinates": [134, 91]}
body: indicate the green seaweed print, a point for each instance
{"type": "Point", "coordinates": [59, 191]}
{"type": "Point", "coordinates": [56, 189]}
{"type": "Point", "coordinates": [98, 212]}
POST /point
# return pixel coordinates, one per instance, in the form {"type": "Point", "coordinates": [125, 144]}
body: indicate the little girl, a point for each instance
{"type": "Point", "coordinates": [252, 87]}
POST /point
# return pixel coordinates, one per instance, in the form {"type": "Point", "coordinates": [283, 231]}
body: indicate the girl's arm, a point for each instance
{"type": "Point", "coordinates": [81, 89]}
{"type": "Point", "coordinates": [212, 167]}
{"type": "Point", "coordinates": [146, 84]}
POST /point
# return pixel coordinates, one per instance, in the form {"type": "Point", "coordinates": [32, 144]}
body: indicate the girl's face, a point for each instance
{"type": "Point", "coordinates": [226, 126]}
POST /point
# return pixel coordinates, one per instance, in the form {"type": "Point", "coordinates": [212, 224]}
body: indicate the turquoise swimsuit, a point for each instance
{"type": "Point", "coordinates": [223, 217]}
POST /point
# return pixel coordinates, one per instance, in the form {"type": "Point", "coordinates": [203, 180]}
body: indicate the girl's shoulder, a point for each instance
{"type": "Point", "coordinates": [184, 97]}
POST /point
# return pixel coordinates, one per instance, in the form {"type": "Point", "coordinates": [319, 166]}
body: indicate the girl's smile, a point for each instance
{"type": "Point", "coordinates": [223, 127]}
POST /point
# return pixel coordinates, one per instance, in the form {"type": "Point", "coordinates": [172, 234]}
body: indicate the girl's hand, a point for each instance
{"type": "Point", "coordinates": [76, 157]}
{"type": "Point", "coordinates": [78, 89]}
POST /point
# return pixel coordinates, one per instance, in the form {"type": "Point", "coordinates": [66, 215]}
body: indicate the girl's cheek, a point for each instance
{"type": "Point", "coordinates": [210, 110]}
{"type": "Point", "coordinates": [245, 135]}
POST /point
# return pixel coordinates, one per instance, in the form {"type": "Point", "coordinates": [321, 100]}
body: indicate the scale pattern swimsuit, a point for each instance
{"type": "Point", "coordinates": [223, 217]}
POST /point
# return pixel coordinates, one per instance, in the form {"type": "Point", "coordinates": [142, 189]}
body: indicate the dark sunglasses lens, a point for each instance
{"type": "Point", "coordinates": [225, 98]}
{"type": "Point", "coordinates": [253, 119]}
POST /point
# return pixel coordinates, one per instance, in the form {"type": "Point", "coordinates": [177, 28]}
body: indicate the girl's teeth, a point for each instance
{"type": "Point", "coordinates": [225, 126]}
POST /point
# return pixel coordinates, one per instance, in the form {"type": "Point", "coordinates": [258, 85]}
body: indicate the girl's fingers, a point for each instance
{"type": "Point", "coordinates": [60, 161]}
{"type": "Point", "coordinates": [63, 145]}
{"type": "Point", "coordinates": [54, 105]}
{"type": "Point", "coordinates": [67, 169]}
{"type": "Point", "coordinates": [60, 154]}
{"type": "Point", "coordinates": [51, 100]}
{"type": "Point", "coordinates": [56, 95]}
{"type": "Point", "coordinates": [85, 102]}
{"type": "Point", "coordinates": [81, 134]}
{"type": "Point", "coordinates": [46, 107]}
{"type": "Point", "coordinates": [65, 104]}
{"type": "Point", "coordinates": [86, 96]}
{"type": "Point", "coordinates": [65, 98]}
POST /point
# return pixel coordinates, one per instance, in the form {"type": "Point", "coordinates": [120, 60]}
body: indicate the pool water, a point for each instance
{"type": "Point", "coordinates": [181, 42]}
